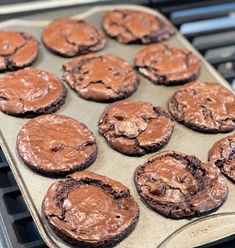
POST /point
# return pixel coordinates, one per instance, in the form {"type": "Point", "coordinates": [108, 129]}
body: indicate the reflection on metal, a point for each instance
{"type": "Point", "coordinates": [41, 5]}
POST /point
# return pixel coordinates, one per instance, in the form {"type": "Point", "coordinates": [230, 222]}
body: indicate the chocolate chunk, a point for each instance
{"type": "Point", "coordinates": [30, 92]}
{"type": "Point", "coordinates": [101, 78]}
{"type": "Point", "coordinates": [222, 154]}
{"type": "Point", "coordinates": [131, 26]}
{"type": "Point", "coordinates": [182, 186]}
{"type": "Point", "coordinates": [89, 210]}
{"type": "Point", "coordinates": [205, 107]}
{"type": "Point", "coordinates": [70, 37]}
{"type": "Point", "coordinates": [56, 145]}
{"type": "Point", "coordinates": [158, 188]}
{"type": "Point", "coordinates": [17, 50]}
{"type": "Point", "coordinates": [168, 65]}
{"type": "Point", "coordinates": [135, 127]}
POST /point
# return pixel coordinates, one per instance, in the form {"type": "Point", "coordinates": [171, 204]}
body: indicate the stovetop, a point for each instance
{"type": "Point", "coordinates": [208, 24]}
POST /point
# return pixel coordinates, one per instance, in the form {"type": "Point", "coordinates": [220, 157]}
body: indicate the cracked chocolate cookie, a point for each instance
{"type": "Point", "coordinates": [70, 37]}
{"type": "Point", "coordinates": [168, 65]}
{"type": "Point", "coordinates": [222, 154]}
{"type": "Point", "coordinates": [56, 145]}
{"type": "Point", "coordinates": [131, 26]}
{"type": "Point", "coordinates": [90, 210]}
{"type": "Point", "coordinates": [204, 107]}
{"type": "Point", "coordinates": [178, 185]}
{"type": "Point", "coordinates": [101, 78]}
{"type": "Point", "coordinates": [17, 50]}
{"type": "Point", "coordinates": [30, 92]}
{"type": "Point", "coordinates": [135, 127]}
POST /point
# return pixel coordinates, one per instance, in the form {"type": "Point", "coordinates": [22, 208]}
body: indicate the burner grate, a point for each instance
{"type": "Point", "coordinates": [210, 26]}
{"type": "Point", "coordinates": [17, 228]}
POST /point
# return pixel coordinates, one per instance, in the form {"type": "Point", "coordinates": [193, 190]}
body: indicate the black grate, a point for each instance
{"type": "Point", "coordinates": [210, 26]}
{"type": "Point", "coordinates": [17, 228]}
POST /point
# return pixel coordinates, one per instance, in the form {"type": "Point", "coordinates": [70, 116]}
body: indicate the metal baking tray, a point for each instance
{"type": "Point", "coordinates": [152, 230]}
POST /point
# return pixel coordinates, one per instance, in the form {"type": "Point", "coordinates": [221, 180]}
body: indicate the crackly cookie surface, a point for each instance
{"type": "Point", "coordinates": [56, 145]}
{"type": "Point", "coordinates": [135, 127]}
{"type": "Point", "coordinates": [205, 107]}
{"type": "Point", "coordinates": [30, 92]}
{"type": "Point", "coordinates": [131, 26]}
{"type": "Point", "coordinates": [90, 210]}
{"type": "Point", "coordinates": [102, 78]}
{"type": "Point", "coordinates": [17, 50]}
{"type": "Point", "coordinates": [222, 153]}
{"type": "Point", "coordinates": [71, 37]}
{"type": "Point", "coordinates": [168, 65]}
{"type": "Point", "coordinates": [179, 185]}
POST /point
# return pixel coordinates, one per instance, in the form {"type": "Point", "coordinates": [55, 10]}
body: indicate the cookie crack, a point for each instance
{"type": "Point", "coordinates": [78, 67]}
{"type": "Point", "coordinates": [10, 64]}
{"type": "Point", "coordinates": [116, 196]}
{"type": "Point", "coordinates": [61, 146]}
{"type": "Point", "coordinates": [208, 115]}
{"type": "Point", "coordinates": [77, 48]}
{"type": "Point", "coordinates": [113, 23]}
{"type": "Point", "coordinates": [157, 110]}
{"type": "Point", "coordinates": [22, 103]}
{"type": "Point", "coordinates": [186, 58]}
{"type": "Point", "coordinates": [100, 82]}
{"type": "Point", "coordinates": [175, 109]}
{"type": "Point", "coordinates": [220, 162]}
{"type": "Point", "coordinates": [187, 196]}
{"type": "Point", "coordinates": [3, 98]}
{"type": "Point", "coordinates": [16, 49]}
{"type": "Point", "coordinates": [72, 183]}
{"type": "Point", "coordinates": [168, 48]}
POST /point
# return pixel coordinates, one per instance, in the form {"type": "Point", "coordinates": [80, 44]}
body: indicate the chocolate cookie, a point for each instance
{"type": "Point", "coordinates": [56, 145]}
{"type": "Point", "coordinates": [205, 107]}
{"type": "Point", "coordinates": [131, 26]}
{"type": "Point", "coordinates": [30, 92]}
{"type": "Point", "coordinates": [89, 210]}
{"type": "Point", "coordinates": [17, 50]}
{"type": "Point", "coordinates": [135, 127]}
{"type": "Point", "coordinates": [168, 65]}
{"type": "Point", "coordinates": [101, 78]}
{"type": "Point", "coordinates": [222, 154]}
{"type": "Point", "coordinates": [178, 185]}
{"type": "Point", "coordinates": [70, 37]}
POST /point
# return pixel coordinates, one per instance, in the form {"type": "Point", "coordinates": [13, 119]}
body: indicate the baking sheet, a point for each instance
{"type": "Point", "coordinates": [152, 229]}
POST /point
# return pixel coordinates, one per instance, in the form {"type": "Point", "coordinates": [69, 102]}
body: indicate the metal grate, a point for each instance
{"type": "Point", "coordinates": [210, 26]}
{"type": "Point", "coordinates": [17, 228]}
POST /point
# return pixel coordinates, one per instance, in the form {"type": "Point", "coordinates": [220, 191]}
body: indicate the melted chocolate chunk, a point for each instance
{"type": "Point", "coordinates": [101, 78]}
{"type": "Point", "coordinates": [90, 210]}
{"type": "Point", "coordinates": [56, 145]}
{"type": "Point", "coordinates": [30, 92]}
{"type": "Point", "coordinates": [70, 37]}
{"type": "Point", "coordinates": [17, 50]}
{"type": "Point", "coordinates": [222, 154]}
{"type": "Point", "coordinates": [178, 185]}
{"type": "Point", "coordinates": [130, 26]}
{"type": "Point", "coordinates": [135, 127]}
{"type": "Point", "coordinates": [168, 65]}
{"type": "Point", "coordinates": [205, 107]}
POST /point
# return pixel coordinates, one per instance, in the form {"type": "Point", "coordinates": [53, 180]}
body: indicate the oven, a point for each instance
{"type": "Point", "coordinates": [208, 24]}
